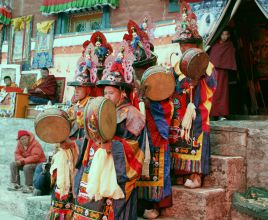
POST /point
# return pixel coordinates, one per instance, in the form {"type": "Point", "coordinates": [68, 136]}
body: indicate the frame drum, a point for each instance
{"type": "Point", "coordinates": [52, 125]}
{"type": "Point", "coordinates": [158, 83]}
{"type": "Point", "coordinates": [100, 119]}
{"type": "Point", "coordinates": [194, 63]}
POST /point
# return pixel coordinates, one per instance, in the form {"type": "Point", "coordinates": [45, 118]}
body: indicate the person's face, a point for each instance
{"type": "Point", "coordinates": [225, 36]}
{"type": "Point", "coordinates": [80, 92]}
{"type": "Point", "coordinates": [7, 82]}
{"type": "Point", "coordinates": [44, 73]}
{"type": "Point", "coordinates": [113, 93]}
{"type": "Point", "coordinates": [24, 140]}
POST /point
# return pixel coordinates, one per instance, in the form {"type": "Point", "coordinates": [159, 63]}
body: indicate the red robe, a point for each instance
{"type": "Point", "coordinates": [47, 85]}
{"type": "Point", "coordinates": [222, 55]}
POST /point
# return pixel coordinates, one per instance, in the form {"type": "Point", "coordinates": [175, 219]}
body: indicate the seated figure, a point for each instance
{"type": "Point", "coordinates": [8, 82]}
{"type": "Point", "coordinates": [28, 154]}
{"type": "Point", "coordinates": [44, 90]}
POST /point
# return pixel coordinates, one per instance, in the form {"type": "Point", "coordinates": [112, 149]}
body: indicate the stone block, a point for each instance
{"type": "Point", "coordinates": [195, 204]}
{"type": "Point", "coordinates": [13, 202]}
{"type": "Point", "coordinates": [37, 207]}
{"type": "Point", "coordinates": [235, 215]}
{"type": "Point", "coordinates": [227, 172]}
{"type": "Point", "coordinates": [238, 138]}
{"type": "Point", "coordinates": [229, 150]}
{"type": "Point", "coordinates": [219, 137]}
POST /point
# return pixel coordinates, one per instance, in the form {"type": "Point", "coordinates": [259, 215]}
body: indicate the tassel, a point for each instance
{"type": "Point", "coordinates": [188, 118]}
{"type": "Point", "coordinates": [147, 159]}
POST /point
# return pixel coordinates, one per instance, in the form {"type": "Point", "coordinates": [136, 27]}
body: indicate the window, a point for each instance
{"type": "Point", "coordinates": [85, 22]}
{"type": "Point", "coordinates": [173, 6]}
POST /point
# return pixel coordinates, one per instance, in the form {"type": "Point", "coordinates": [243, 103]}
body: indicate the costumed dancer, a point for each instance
{"type": "Point", "coordinates": [62, 180]}
{"type": "Point", "coordinates": [189, 132]}
{"type": "Point", "coordinates": [155, 192]}
{"type": "Point", "coordinates": [101, 48]}
{"type": "Point", "coordinates": [84, 83]}
{"type": "Point", "coordinates": [126, 147]}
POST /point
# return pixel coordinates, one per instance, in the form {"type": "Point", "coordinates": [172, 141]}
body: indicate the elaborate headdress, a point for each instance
{"type": "Point", "coordinates": [86, 71]}
{"type": "Point", "coordinates": [98, 37]}
{"type": "Point", "coordinates": [118, 69]}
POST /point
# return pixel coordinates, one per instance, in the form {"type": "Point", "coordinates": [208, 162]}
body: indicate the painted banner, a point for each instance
{"type": "Point", "coordinates": [43, 56]}
{"type": "Point", "coordinates": [19, 51]}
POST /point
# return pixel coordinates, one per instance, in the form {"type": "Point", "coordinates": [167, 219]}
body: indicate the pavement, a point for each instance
{"type": "Point", "coordinates": [6, 215]}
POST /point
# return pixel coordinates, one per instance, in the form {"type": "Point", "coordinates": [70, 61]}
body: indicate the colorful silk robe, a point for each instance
{"type": "Point", "coordinates": [62, 198]}
{"type": "Point", "coordinates": [128, 154]}
{"type": "Point", "coordinates": [192, 156]}
{"type": "Point", "coordinates": [47, 85]}
{"type": "Point", "coordinates": [157, 188]}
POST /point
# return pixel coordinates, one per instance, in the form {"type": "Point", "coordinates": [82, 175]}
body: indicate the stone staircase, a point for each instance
{"type": "Point", "coordinates": [231, 163]}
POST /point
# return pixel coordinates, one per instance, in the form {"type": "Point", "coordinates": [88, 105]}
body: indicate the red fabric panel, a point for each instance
{"type": "Point", "coordinates": [5, 13]}
{"type": "Point", "coordinates": [220, 100]}
{"type": "Point", "coordinates": [55, 2]}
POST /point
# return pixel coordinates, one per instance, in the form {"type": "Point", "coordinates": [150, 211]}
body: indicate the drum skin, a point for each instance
{"type": "Point", "coordinates": [194, 63]}
{"type": "Point", "coordinates": [52, 125]}
{"type": "Point", "coordinates": [158, 83]}
{"type": "Point", "coordinates": [100, 119]}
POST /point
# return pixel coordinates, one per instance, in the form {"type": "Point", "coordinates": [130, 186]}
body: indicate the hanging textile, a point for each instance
{"type": "Point", "coordinates": [209, 15]}
{"type": "Point", "coordinates": [5, 15]}
{"type": "Point", "coordinates": [57, 6]}
{"type": "Point", "coordinates": [263, 5]}
{"type": "Point", "coordinates": [44, 45]}
{"type": "Point", "coordinates": [7, 104]}
{"type": "Point", "coordinates": [20, 42]}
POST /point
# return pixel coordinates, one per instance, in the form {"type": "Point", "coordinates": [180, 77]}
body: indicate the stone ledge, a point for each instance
{"type": "Point", "coordinates": [235, 215]}
{"type": "Point", "coordinates": [202, 203]}
{"type": "Point", "coordinates": [227, 172]}
{"type": "Point", "coordinates": [37, 207]}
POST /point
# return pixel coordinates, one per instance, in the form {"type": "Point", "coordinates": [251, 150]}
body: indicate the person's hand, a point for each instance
{"type": "Point", "coordinates": [107, 146]}
{"type": "Point", "coordinates": [66, 144]}
{"type": "Point", "coordinates": [18, 163]}
{"type": "Point", "coordinates": [38, 90]}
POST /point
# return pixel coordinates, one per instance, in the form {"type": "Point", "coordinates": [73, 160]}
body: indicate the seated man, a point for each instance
{"type": "Point", "coordinates": [8, 82]}
{"type": "Point", "coordinates": [41, 178]}
{"type": "Point", "coordinates": [44, 89]}
{"type": "Point", "coordinates": [28, 154]}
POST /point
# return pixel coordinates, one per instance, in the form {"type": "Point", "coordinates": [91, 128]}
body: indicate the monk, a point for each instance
{"type": "Point", "coordinates": [44, 89]}
{"type": "Point", "coordinates": [8, 82]}
{"type": "Point", "coordinates": [222, 55]}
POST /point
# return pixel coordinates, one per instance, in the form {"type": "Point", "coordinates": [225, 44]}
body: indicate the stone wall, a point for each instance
{"type": "Point", "coordinates": [248, 139]}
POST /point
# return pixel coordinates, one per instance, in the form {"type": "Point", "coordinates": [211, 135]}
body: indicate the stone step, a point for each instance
{"type": "Point", "coordinates": [228, 140]}
{"type": "Point", "coordinates": [13, 202]}
{"type": "Point", "coordinates": [228, 172]}
{"type": "Point", "coordinates": [37, 207]}
{"type": "Point", "coordinates": [195, 204]}
{"type": "Point", "coordinates": [235, 215]}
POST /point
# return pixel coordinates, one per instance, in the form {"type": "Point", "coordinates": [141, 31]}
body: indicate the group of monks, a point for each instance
{"type": "Point", "coordinates": [157, 143]}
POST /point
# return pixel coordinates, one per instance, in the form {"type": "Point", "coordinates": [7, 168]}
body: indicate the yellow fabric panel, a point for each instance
{"type": "Point", "coordinates": [45, 26]}
{"type": "Point", "coordinates": [21, 22]}
{"type": "Point", "coordinates": [160, 181]}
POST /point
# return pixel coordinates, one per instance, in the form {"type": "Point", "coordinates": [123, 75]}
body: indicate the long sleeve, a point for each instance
{"type": "Point", "coordinates": [36, 154]}
{"type": "Point", "coordinates": [18, 154]}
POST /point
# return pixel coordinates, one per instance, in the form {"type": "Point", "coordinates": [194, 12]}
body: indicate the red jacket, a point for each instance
{"type": "Point", "coordinates": [33, 154]}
